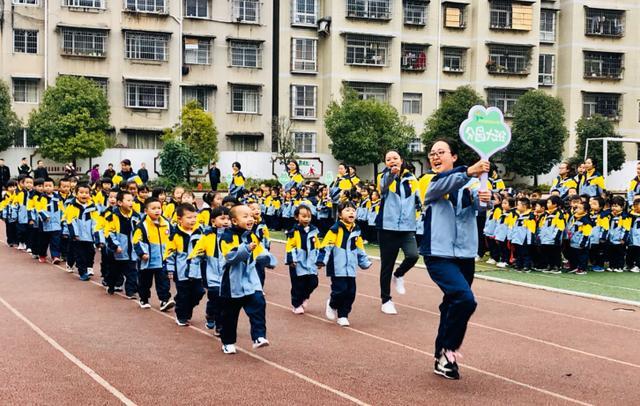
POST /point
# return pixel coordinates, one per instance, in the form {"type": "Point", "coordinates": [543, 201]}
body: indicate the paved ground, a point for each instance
{"type": "Point", "coordinates": [66, 342]}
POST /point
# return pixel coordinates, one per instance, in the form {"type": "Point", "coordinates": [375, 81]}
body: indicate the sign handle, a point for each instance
{"type": "Point", "coordinates": [484, 178]}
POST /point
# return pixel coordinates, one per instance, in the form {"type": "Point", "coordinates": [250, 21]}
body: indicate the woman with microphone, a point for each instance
{"type": "Point", "coordinates": [396, 223]}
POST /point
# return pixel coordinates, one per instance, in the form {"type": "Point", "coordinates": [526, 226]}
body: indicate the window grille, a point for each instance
{"type": "Point", "coordinates": [147, 46]}
{"type": "Point", "coordinates": [547, 25]}
{"type": "Point", "coordinates": [605, 104]}
{"type": "Point", "coordinates": [303, 102]}
{"type": "Point", "coordinates": [25, 90]}
{"type": "Point", "coordinates": [304, 12]}
{"type": "Point", "coordinates": [78, 42]}
{"type": "Point", "coordinates": [146, 6]}
{"type": "Point", "coordinates": [26, 2]}
{"type": "Point", "coordinates": [415, 12]}
{"type": "Point", "coordinates": [508, 59]}
{"type": "Point", "coordinates": [546, 67]}
{"type": "Point", "coordinates": [83, 3]}
{"type": "Point", "coordinates": [244, 143]}
{"type": "Point", "coordinates": [245, 99]}
{"type": "Point", "coordinates": [504, 99]}
{"type": "Point", "coordinates": [603, 65]}
{"type": "Point", "coordinates": [304, 142]}
{"type": "Point", "coordinates": [414, 57]}
{"type": "Point", "coordinates": [199, 93]}
{"type": "Point", "coordinates": [367, 50]}
{"type": "Point", "coordinates": [369, 9]}
{"type": "Point", "coordinates": [366, 91]}
{"type": "Point", "coordinates": [246, 11]}
{"type": "Point", "coordinates": [411, 103]}
{"type": "Point", "coordinates": [453, 59]}
{"type": "Point", "coordinates": [196, 8]}
{"type": "Point", "coordinates": [146, 95]}
{"type": "Point", "coordinates": [22, 138]}
{"type": "Point", "coordinates": [25, 41]}
{"type": "Point", "coordinates": [510, 15]}
{"type": "Point", "coordinates": [304, 54]}
{"type": "Point", "coordinates": [609, 23]}
{"type": "Point", "coordinates": [197, 51]}
{"type": "Point", "coordinates": [245, 54]}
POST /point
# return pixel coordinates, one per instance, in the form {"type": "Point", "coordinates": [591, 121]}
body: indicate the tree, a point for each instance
{"type": "Point", "coordinates": [361, 131]}
{"type": "Point", "coordinates": [446, 120]}
{"type": "Point", "coordinates": [9, 121]}
{"type": "Point", "coordinates": [199, 133]}
{"type": "Point", "coordinates": [537, 134]}
{"type": "Point", "coordinates": [598, 126]}
{"type": "Point", "coordinates": [176, 159]}
{"type": "Point", "coordinates": [72, 121]}
{"type": "Point", "coordinates": [283, 141]}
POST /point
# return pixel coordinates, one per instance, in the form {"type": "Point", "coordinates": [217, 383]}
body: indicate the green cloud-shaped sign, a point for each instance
{"type": "Point", "coordinates": [283, 178]}
{"type": "Point", "coordinates": [485, 131]}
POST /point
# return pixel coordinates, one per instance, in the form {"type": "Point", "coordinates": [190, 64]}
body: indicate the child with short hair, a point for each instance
{"type": "Point", "coordinates": [600, 217]}
{"type": "Point", "coordinates": [550, 232]}
{"type": "Point", "coordinates": [633, 250]}
{"type": "Point", "coordinates": [50, 209]}
{"type": "Point", "coordinates": [490, 227]}
{"type": "Point", "coordinates": [35, 228]}
{"type": "Point", "coordinates": [187, 274]}
{"type": "Point", "coordinates": [176, 199]}
{"type": "Point", "coordinates": [619, 228]}
{"type": "Point", "coordinates": [106, 256]}
{"type": "Point", "coordinates": [9, 213]}
{"type": "Point", "coordinates": [539, 211]}
{"type": "Point", "coordinates": [273, 205]}
{"type": "Point", "coordinates": [341, 251]}
{"type": "Point", "coordinates": [501, 232]}
{"type": "Point", "coordinates": [374, 209]}
{"type": "Point", "coordinates": [578, 233]}
{"type": "Point", "coordinates": [303, 242]}
{"type": "Point", "coordinates": [80, 219]}
{"type": "Point", "coordinates": [521, 235]}
{"type": "Point", "coordinates": [240, 287]}
{"type": "Point", "coordinates": [21, 201]}
{"type": "Point", "coordinates": [261, 231]}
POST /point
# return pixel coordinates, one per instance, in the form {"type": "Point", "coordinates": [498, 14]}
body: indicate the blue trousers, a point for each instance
{"type": "Point", "coordinates": [188, 295]}
{"type": "Point", "coordinates": [145, 280]}
{"type": "Point", "coordinates": [254, 306]}
{"type": "Point", "coordinates": [49, 241]}
{"type": "Point", "coordinates": [126, 269]}
{"type": "Point", "coordinates": [84, 254]}
{"type": "Point", "coordinates": [301, 286]}
{"type": "Point", "coordinates": [214, 307]}
{"type": "Point", "coordinates": [454, 276]}
{"type": "Point", "coordinates": [343, 294]}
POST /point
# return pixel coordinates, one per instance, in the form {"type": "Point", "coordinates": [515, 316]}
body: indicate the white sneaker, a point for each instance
{"type": "Point", "coordinates": [144, 305]}
{"type": "Point", "coordinates": [90, 271]}
{"type": "Point", "coordinates": [298, 310]}
{"type": "Point", "coordinates": [260, 342]}
{"type": "Point", "coordinates": [69, 269]}
{"type": "Point", "coordinates": [491, 261]}
{"type": "Point", "coordinates": [229, 348]}
{"type": "Point", "coordinates": [329, 311]}
{"type": "Point", "coordinates": [305, 304]}
{"type": "Point", "coordinates": [399, 282]}
{"type": "Point", "coordinates": [618, 270]}
{"type": "Point", "coordinates": [28, 250]}
{"type": "Point", "coordinates": [343, 322]}
{"type": "Point", "coordinates": [477, 259]}
{"type": "Point", "coordinates": [635, 269]}
{"type": "Point", "coordinates": [389, 308]}
{"type": "Point", "coordinates": [501, 264]}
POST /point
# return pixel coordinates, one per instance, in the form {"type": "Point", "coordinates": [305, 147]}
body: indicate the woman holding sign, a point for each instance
{"type": "Point", "coordinates": [396, 224]}
{"type": "Point", "coordinates": [449, 246]}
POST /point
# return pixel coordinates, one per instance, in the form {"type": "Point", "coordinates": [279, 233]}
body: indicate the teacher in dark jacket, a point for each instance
{"type": "Point", "coordinates": [143, 173]}
{"type": "Point", "coordinates": [214, 176]}
{"type": "Point", "coordinates": [5, 174]}
{"type": "Point", "coordinates": [40, 171]}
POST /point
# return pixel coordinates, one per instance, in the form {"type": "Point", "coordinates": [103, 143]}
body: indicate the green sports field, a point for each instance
{"type": "Point", "coordinates": [615, 285]}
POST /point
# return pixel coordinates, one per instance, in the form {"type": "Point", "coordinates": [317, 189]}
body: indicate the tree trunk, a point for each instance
{"type": "Point", "coordinates": [535, 180]}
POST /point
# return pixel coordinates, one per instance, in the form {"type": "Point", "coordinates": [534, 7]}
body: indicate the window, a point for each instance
{"type": "Point", "coordinates": [411, 103]}
{"type": "Point", "coordinates": [23, 139]}
{"type": "Point", "coordinates": [303, 102]}
{"type": "Point", "coordinates": [79, 42]}
{"type": "Point", "coordinates": [367, 50]}
{"type": "Point", "coordinates": [504, 99]}
{"type": "Point", "coordinates": [101, 83]}
{"type": "Point", "coordinates": [246, 11]}
{"type": "Point", "coordinates": [303, 55]}
{"type": "Point", "coordinates": [245, 99]}
{"type": "Point", "coordinates": [511, 16]}
{"type": "Point", "coordinates": [609, 23]}
{"type": "Point", "coordinates": [199, 93]}
{"type": "Point", "coordinates": [25, 41]}
{"type": "Point", "coordinates": [547, 25]}
{"type": "Point", "coordinates": [26, 2]}
{"type": "Point", "coordinates": [507, 59]}
{"type": "Point", "coordinates": [415, 12]}
{"type": "Point", "coordinates": [414, 57]}
{"type": "Point", "coordinates": [454, 16]}
{"type": "Point", "coordinates": [369, 9]}
{"type": "Point", "coordinates": [603, 65]}
{"type": "Point", "coordinates": [146, 45]}
{"type": "Point", "coordinates": [304, 142]}
{"type": "Point", "coordinates": [366, 91]}
{"type": "Point", "coordinates": [146, 6]}
{"type": "Point", "coordinates": [197, 51]}
{"type": "Point", "coordinates": [196, 8]}
{"type": "Point", "coordinates": [244, 143]}
{"type": "Point", "coordinates": [83, 3]}
{"type": "Point", "coordinates": [146, 95]}
{"type": "Point", "coordinates": [605, 104]}
{"type": "Point", "coordinates": [416, 146]}
{"type": "Point", "coordinates": [141, 139]}
{"type": "Point", "coordinates": [304, 12]}
{"type": "Point", "coordinates": [25, 90]}
{"type": "Point", "coordinates": [546, 67]}
{"type": "Point", "coordinates": [453, 59]}
{"type": "Point", "coordinates": [245, 54]}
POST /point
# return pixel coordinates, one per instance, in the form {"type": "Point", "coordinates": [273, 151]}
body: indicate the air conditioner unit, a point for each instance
{"type": "Point", "coordinates": [324, 26]}
{"type": "Point", "coordinates": [547, 80]}
{"type": "Point", "coordinates": [185, 69]}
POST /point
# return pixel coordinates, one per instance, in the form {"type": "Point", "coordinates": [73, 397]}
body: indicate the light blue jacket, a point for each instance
{"type": "Point", "coordinates": [302, 249]}
{"type": "Point", "coordinates": [179, 249]}
{"type": "Point", "coordinates": [51, 213]}
{"type": "Point", "coordinates": [240, 277]}
{"type": "Point", "coordinates": [400, 203]}
{"type": "Point", "coordinates": [343, 251]}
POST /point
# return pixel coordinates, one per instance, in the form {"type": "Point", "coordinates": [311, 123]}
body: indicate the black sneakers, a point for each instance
{"type": "Point", "coordinates": [446, 365]}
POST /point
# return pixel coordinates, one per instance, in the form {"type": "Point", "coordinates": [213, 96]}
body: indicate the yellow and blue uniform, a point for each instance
{"type": "Point", "coordinates": [236, 188]}
{"type": "Point", "coordinates": [591, 184]}
{"type": "Point", "coordinates": [50, 209]}
{"type": "Point", "coordinates": [550, 232]}
{"type": "Point", "coordinates": [618, 238]}
{"type": "Point", "coordinates": [127, 177]}
{"type": "Point", "coordinates": [578, 233]}
{"type": "Point", "coordinates": [9, 214]}
{"type": "Point", "coordinates": [562, 185]}
{"type": "Point", "coordinates": [151, 238]}
{"type": "Point", "coordinates": [119, 228]}
{"type": "Point", "coordinates": [208, 248]}
{"type": "Point", "coordinates": [295, 180]}
{"type": "Point", "coordinates": [521, 236]}
{"type": "Point", "coordinates": [633, 190]}
{"type": "Point", "coordinates": [80, 222]}
{"type": "Point", "coordinates": [302, 248]}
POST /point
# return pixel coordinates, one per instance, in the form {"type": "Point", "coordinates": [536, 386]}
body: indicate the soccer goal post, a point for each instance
{"type": "Point", "coordinates": [605, 150]}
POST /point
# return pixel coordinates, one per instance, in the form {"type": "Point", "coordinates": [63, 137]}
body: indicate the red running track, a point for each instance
{"type": "Point", "coordinates": [66, 342]}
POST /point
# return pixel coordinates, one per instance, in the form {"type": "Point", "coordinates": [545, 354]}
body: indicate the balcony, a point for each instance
{"type": "Point", "coordinates": [603, 65]}
{"type": "Point", "coordinates": [369, 9]}
{"type": "Point", "coordinates": [604, 23]}
{"type": "Point", "coordinates": [509, 60]}
{"type": "Point", "coordinates": [414, 58]}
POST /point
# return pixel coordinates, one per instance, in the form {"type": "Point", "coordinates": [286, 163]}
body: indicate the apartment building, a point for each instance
{"type": "Point", "coordinates": [150, 57]}
{"type": "Point", "coordinates": [411, 53]}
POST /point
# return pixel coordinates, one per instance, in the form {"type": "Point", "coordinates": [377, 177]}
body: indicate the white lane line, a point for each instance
{"type": "Point", "coordinates": [499, 330]}
{"type": "Point", "coordinates": [428, 354]}
{"type": "Point", "coordinates": [528, 285]}
{"type": "Point", "coordinates": [93, 374]}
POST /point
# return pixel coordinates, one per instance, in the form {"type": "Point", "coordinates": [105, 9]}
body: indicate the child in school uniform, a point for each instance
{"type": "Point", "coordinates": [106, 256]}
{"type": "Point", "coordinates": [187, 273]}
{"type": "Point", "coordinates": [240, 287]}
{"type": "Point", "coordinates": [619, 228]}
{"type": "Point", "coordinates": [341, 251]}
{"type": "Point", "coordinates": [362, 213]}
{"type": "Point", "coordinates": [633, 250]}
{"type": "Point", "coordinates": [374, 209]}
{"type": "Point", "coordinates": [539, 210]}
{"type": "Point", "coordinates": [21, 201]}
{"type": "Point", "coordinates": [324, 211]}
{"type": "Point", "coordinates": [150, 240]}
{"type": "Point", "coordinates": [550, 232]}
{"type": "Point", "coordinates": [286, 214]}
{"type": "Point", "coordinates": [521, 235]}
{"type": "Point", "coordinates": [600, 217]}
{"type": "Point", "coordinates": [578, 234]}
{"type": "Point", "coordinates": [208, 249]}
{"type": "Point", "coordinates": [50, 209]}
{"type": "Point", "coordinates": [490, 227]}
{"type": "Point", "coordinates": [35, 228]}
{"type": "Point", "coordinates": [101, 196]}
{"type": "Point", "coordinates": [303, 241]}
{"type": "Point", "coordinates": [261, 231]}
{"type": "Point", "coordinates": [501, 232]}
{"type": "Point", "coordinates": [119, 228]}
{"type": "Point", "coordinates": [169, 208]}
{"type": "Point", "coordinates": [80, 219]}
{"type": "Point", "coordinates": [10, 214]}
{"type": "Point", "coordinates": [273, 205]}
